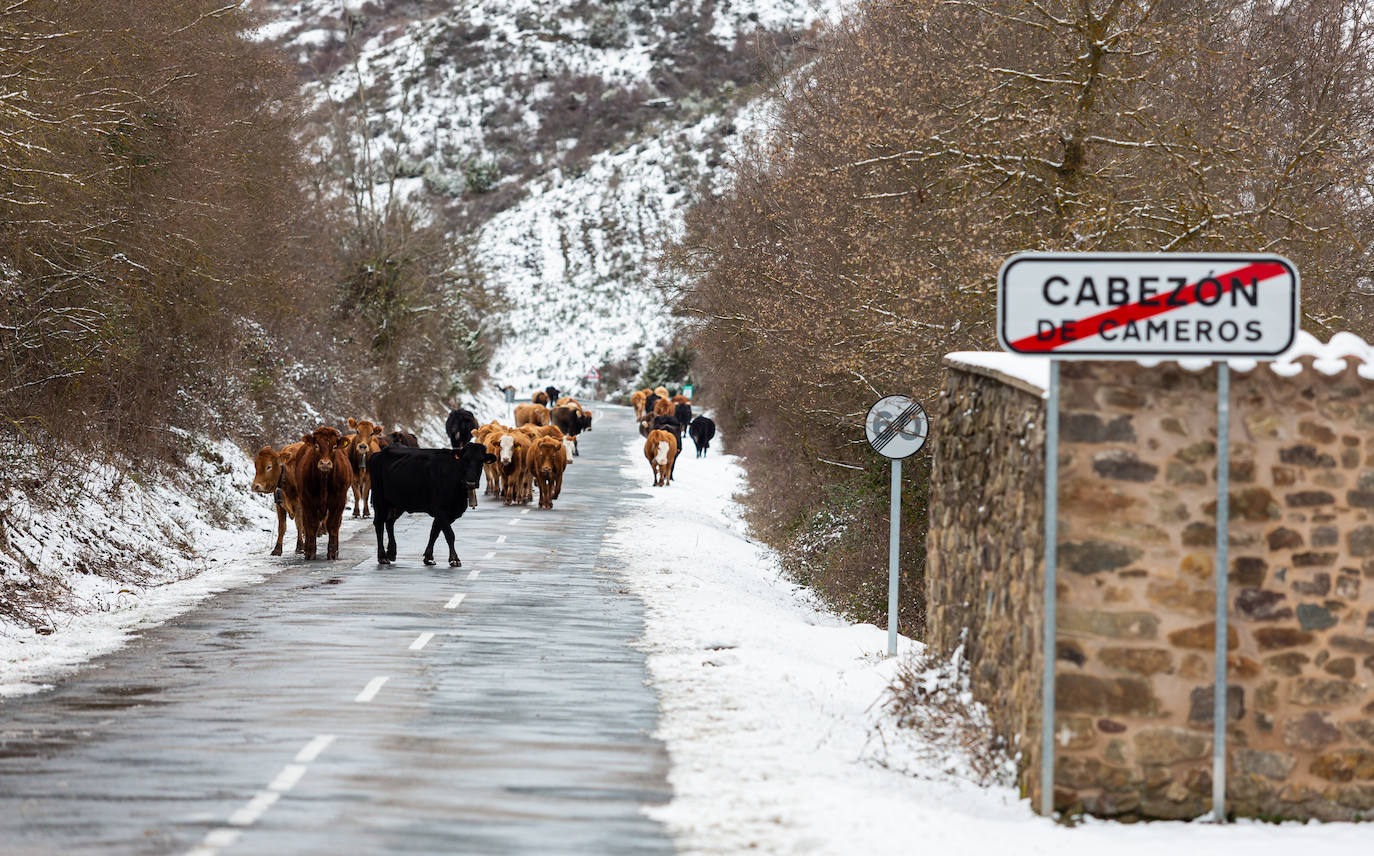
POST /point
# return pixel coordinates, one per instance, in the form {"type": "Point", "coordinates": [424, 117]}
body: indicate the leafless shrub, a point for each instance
{"type": "Point", "coordinates": [929, 140]}
{"type": "Point", "coordinates": [927, 724]}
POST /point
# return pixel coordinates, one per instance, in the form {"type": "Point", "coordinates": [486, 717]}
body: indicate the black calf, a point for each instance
{"type": "Point", "coordinates": [702, 430]}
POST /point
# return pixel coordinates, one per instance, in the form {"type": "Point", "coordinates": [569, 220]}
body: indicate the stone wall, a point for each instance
{"type": "Point", "coordinates": [985, 549]}
{"type": "Point", "coordinates": [1137, 539]}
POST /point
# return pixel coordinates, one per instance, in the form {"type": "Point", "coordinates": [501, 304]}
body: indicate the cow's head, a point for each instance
{"type": "Point", "coordinates": [507, 444]}
{"type": "Point", "coordinates": [324, 440]}
{"type": "Point", "coordinates": [471, 458]}
{"type": "Point", "coordinates": [586, 420]}
{"type": "Point", "coordinates": [267, 469]}
{"type": "Point", "coordinates": [365, 441]}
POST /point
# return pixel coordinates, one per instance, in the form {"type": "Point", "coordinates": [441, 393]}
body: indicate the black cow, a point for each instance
{"type": "Point", "coordinates": [569, 421]}
{"type": "Point", "coordinates": [552, 393]}
{"type": "Point", "coordinates": [683, 414]}
{"type": "Point", "coordinates": [649, 403]}
{"type": "Point", "coordinates": [671, 425]}
{"type": "Point", "coordinates": [459, 427]}
{"type": "Point", "coordinates": [402, 438]}
{"type": "Point", "coordinates": [702, 430]}
{"type": "Point", "coordinates": [437, 482]}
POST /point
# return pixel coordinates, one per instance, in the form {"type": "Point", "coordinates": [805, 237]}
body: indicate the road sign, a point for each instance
{"type": "Point", "coordinates": [688, 389]}
{"type": "Point", "coordinates": [1133, 305]}
{"type": "Point", "coordinates": [897, 427]}
{"type": "Point", "coordinates": [593, 374]}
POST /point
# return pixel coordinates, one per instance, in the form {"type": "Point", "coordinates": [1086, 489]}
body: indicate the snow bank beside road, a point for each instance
{"type": "Point", "coordinates": [173, 547]}
{"type": "Point", "coordinates": [767, 701]}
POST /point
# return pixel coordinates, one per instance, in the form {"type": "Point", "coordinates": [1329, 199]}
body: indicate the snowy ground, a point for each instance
{"type": "Point", "coordinates": [768, 704]}
{"type": "Point", "coordinates": [222, 535]}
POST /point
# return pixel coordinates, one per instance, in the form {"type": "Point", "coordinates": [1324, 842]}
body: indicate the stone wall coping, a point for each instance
{"type": "Point", "coordinates": [1031, 374]}
{"type": "Point", "coordinates": [1028, 374]}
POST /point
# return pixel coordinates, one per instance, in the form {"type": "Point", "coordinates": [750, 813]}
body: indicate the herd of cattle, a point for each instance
{"type": "Point", "coordinates": [388, 475]}
{"type": "Point", "coordinates": [662, 419]}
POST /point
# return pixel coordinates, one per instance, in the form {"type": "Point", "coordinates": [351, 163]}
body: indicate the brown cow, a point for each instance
{"type": "Point", "coordinates": [661, 450]}
{"type": "Point", "coordinates": [554, 431]}
{"type": "Point", "coordinates": [664, 407]}
{"type": "Point", "coordinates": [273, 474]}
{"type": "Point", "coordinates": [510, 459]}
{"type": "Point", "coordinates": [531, 414]}
{"type": "Point", "coordinates": [637, 400]}
{"type": "Point", "coordinates": [681, 399]}
{"type": "Point", "coordinates": [661, 391]}
{"type": "Point", "coordinates": [545, 461]}
{"type": "Point", "coordinates": [493, 469]}
{"type": "Point", "coordinates": [323, 476]}
{"type": "Point", "coordinates": [361, 446]}
{"type": "Point", "coordinates": [540, 398]}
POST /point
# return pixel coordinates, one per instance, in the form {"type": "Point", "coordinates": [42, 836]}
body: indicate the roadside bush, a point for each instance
{"type": "Point", "coordinates": [928, 141]}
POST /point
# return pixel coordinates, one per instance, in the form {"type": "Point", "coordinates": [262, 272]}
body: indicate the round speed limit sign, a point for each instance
{"type": "Point", "coordinates": [897, 426]}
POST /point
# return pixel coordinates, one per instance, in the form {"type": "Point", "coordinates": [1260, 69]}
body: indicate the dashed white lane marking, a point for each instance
{"type": "Point", "coordinates": [249, 814]}
{"type": "Point", "coordinates": [313, 749]}
{"type": "Point", "coordinates": [214, 841]}
{"type": "Point", "coordinates": [421, 641]}
{"type": "Point", "coordinates": [287, 778]}
{"type": "Point", "coordinates": [217, 839]}
{"type": "Point", "coordinates": [456, 599]}
{"type": "Point", "coordinates": [472, 575]}
{"type": "Point", "coordinates": [525, 511]}
{"type": "Point", "coordinates": [373, 687]}
{"type": "Point", "coordinates": [500, 539]}
{"type": "Point", "coordinates": [514, 520]}
{"type": "Point", "coordinates": [491, 555]}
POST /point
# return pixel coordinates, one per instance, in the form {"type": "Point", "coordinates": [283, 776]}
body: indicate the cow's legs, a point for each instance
{"type": "Point", "coordinates": [434, 529]}
{"type": "Point", "coordinates": [557, 484]}
{"type": "Point", "coordinates": [366, 480]}
{"type": "Point", "coordinates": [575, 452]}
{"type": "Point", "coordinates": [453, 560]}
{"type": "Point", "coordinates": [391, 517]}
{"type": "Point", "coordinates": [311, 528]}
{"type": "Point", "coordinates": [281, 529]}
{"type": "Point", "coordinates": [332, 524]}
{"type": "Point", "coordinates": [379, 525]}
{"type": "Point", "coordinates": [357, 492]}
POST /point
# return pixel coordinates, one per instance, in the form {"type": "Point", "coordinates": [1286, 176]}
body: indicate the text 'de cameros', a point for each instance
{"type": "Point", "coordinates": [1099, 306]}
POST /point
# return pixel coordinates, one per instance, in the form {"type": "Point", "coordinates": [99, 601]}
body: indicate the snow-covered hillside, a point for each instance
{"type": "Point", "coordinates": [565, 138]}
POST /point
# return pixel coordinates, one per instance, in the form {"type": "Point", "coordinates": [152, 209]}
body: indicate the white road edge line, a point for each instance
{"type": "Point", "coordinates": [472, 575]}
{"type": "Point", "coordinates": [249, 814]}
{"type": "Point", "coordinates": [421, 641]}
{"type": "Point", "coordinates": [373, 687]}
{"type": "Point", "coordinates": [287, 778]}
{"type": "Point", "coordinates": [313, 749]}
{"type": "Point", "coordinates": [214, 841]}
{"type": "Point", "coordinates": [454, 601]}
{"type": "Point", "coordinates": [500, 539]}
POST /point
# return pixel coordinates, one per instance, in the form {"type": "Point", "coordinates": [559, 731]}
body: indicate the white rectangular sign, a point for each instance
{"type": "Point", "coordinates": [1133, 305]}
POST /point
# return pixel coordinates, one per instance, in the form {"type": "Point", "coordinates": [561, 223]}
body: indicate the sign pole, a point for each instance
{"type": "Point", "coordinates": [1047, 633]}
{"type": "Point", "coordinates": [894, 527]}
{"type": "Point", "coordinates": [1223, 521]}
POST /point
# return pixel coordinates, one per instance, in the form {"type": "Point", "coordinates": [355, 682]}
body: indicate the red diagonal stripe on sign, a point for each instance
{"type": "Point", "coordinates": [1188, 295]}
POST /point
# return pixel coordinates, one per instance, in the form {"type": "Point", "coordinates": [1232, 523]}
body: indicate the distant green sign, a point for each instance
{"type": "Point", "coordinates": [687, 390]}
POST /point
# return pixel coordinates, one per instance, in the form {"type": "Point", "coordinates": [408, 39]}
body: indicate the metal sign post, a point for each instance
{"type": "Point", "coordinates": [896, 428]}
{"type": "Point", "coordinates": [1047, 632]}
{"type": "Point", "coordinates": [1131, 306]}
{"type": "Point", "coordinates": [1223, 543]}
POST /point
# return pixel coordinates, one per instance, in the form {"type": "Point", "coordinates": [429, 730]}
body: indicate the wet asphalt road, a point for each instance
{"type": "Point", "coordinates": [344, 708]}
